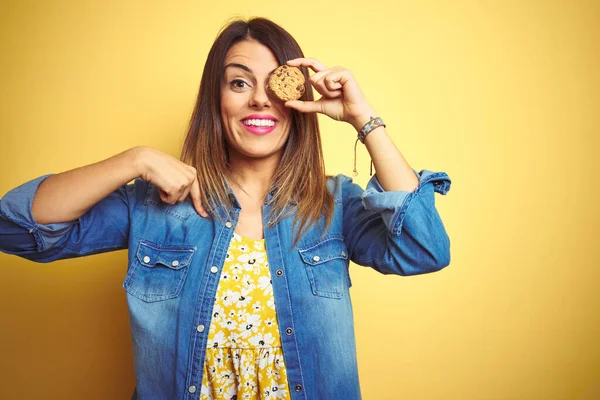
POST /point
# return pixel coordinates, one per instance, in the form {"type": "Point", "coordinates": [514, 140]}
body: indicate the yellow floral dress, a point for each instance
{"type": "Point", "coordinates": [244, 357]}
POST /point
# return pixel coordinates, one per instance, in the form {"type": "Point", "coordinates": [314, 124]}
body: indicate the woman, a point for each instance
{"type": "Point", "coordinates": [238, 281]}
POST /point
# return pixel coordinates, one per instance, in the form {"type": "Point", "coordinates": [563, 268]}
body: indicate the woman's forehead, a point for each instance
{"type": "Point", "coordinates": [252, 57]}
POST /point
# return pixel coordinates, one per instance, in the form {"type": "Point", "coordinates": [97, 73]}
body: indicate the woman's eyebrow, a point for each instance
{"type": "Point", "coordinates": [242, 66]}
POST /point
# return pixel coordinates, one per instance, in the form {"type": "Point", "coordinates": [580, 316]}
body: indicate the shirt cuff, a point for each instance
{"type": "Point", "coordinates": [15, 206]}
{"type": "Point", "coordinates": [393, 205]}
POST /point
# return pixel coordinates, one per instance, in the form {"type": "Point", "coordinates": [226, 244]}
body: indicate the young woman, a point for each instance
{"type": "Point", "coordinates": [238, 282]}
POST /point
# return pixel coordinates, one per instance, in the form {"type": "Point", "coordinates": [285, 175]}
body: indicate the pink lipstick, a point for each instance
{"type": "Point", "coordinates": [259, 124]}
{"type": "Point", "coordinates": [259, 130]}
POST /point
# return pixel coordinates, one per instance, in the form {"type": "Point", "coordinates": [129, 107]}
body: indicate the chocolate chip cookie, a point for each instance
{"type": "Point", "coordinates": [287, 83]}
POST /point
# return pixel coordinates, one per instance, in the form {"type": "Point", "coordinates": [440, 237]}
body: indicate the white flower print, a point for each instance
{"type": "Point", "coordinates": [252, 260]}
{"type": "Point", "coordinates": [227, 378]}
{"type": "Point", "coordinates": [219, 391]}
{"type": "Point", "coordinates": [248, 283]}
{"type": "Point", "coordinates": [230, 392]}
{"type": "Point", "coordinates": [228, 323]}
{"type": "Point", "coordinates": [253, 319]}
{"type": "Point", "coordinates": [218, 312]}
{"type": "Point", "coordinates": [247, 360]}
{"type": "Point", "coordinates": [249, 326]}
{"type": "Point", "coordinates": [279, 361]}
{"type": "Point", "coordinates": [242, 314]}
{"type": "Point", "coordinates": [206, 392]}
{"type": "Point", "coordinates": [262, 340]}
{"type": "Point", "coordinates": [279, 391]}
{"type": "Point", "coordinates": [243, 300]}
{"type": "Point", "coordinates": [257, 307]}
{"type": "Point", "coordinates": [229, 297]}
{"type": "Point", "coordinates": [236, 269]}
{"type": "Point", "coordinates": [269, 322]}
{"type": "Point", "coordinates": [250, 391]}
{"type": "Point", "coordinates": [218, 340]}
{"type": "Point", "coordinates": [247, 368]}
{"type": "Point", "coordinates": [218, 358]}
{"type": "Point", "coordinates": [234, 339]}
{"type": "Point", "coordinates": [235, 239]}
{"type": "Point", "coordinates": [246, 332]}
{"type": "Point", "coordinates": [267, 367]}
{"type": "Point", "coordinates": [264, 283]}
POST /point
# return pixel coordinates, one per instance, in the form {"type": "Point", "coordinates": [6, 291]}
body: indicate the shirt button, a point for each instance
{"type": "Point", "coordinates": [298, 388]}
{"type": "Point", "coordinates": [146, 259]}
{"type": "Point", "coordinates": [279, 272]}
{"type": "Point", "coordinates": [343, 253]}
{"type": "Point", "coordinates": [228, 224]}
{"type": "Point", "coordinates": [289, 331]}
{"type": "Point", "coordinates": [214, 269]}
{"type": "Point", "coordinates": [175, 263]}
{"type": "Point", "coordinates": [316, 258]}
{"type": "Point", "coordinates": [192, 389]}
{"type": "Point", "coordinates": [200, 328]}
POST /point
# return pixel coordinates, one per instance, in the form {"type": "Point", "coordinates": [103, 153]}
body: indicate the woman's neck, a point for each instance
{"type": "Point", "coordinates": [254, 177]}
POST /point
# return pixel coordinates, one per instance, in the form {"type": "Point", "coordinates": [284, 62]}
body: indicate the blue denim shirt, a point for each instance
{"type": "Point", "coordinates": [175, 259]}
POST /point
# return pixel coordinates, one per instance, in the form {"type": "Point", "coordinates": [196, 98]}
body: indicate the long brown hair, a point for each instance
{"type": "Point", "coordinates": [300, 180]}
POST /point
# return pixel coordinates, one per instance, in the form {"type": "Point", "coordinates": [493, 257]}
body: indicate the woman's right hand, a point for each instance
{"type": "Point", "coordinates": [174, 179]}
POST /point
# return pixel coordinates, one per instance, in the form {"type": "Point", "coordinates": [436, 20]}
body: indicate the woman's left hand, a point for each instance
{"type": "Point", "coordinates": [341, 98]}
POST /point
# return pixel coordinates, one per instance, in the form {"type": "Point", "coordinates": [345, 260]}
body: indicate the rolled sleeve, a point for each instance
{"type": "Point", "coordinates": [104, 227]}
{"type": "Point", "coordinates": [16, 206]}
{"type": "Point", "coordinates": [394, 205]}
{"type": "Point", "coordinates": [397, 232]}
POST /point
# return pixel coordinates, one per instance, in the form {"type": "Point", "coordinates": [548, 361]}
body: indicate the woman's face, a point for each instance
{"type": "Point", "coordinates": [256, 123]}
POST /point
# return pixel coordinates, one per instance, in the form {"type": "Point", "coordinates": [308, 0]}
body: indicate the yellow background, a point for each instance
{"type": "Point", "coordinates": [501, 95]}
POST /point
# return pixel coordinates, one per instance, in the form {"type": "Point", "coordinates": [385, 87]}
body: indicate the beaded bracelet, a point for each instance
{"type": "Point", "coordinates": [373, 123]}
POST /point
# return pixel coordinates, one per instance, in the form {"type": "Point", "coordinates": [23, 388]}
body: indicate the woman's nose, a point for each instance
{"type": "Point", "coordinates": [261, 96]}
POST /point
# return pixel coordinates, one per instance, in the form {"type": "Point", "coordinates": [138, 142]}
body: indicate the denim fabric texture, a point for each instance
{"type": "Point", "coordinates": [175, 259]}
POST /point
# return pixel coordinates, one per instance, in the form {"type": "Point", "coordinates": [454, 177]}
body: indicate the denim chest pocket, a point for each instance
{"type": "Point", "coordinates": [158, 272]}
{"type": "Point", "coordinates": [326, 264]}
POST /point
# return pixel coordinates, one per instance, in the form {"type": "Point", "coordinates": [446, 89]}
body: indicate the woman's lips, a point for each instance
{"type": "Point", "coordinates": [259, 130]}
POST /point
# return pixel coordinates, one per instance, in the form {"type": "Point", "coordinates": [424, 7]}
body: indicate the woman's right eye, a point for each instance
{"type": "Point", "coordinates": [236, 84]}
